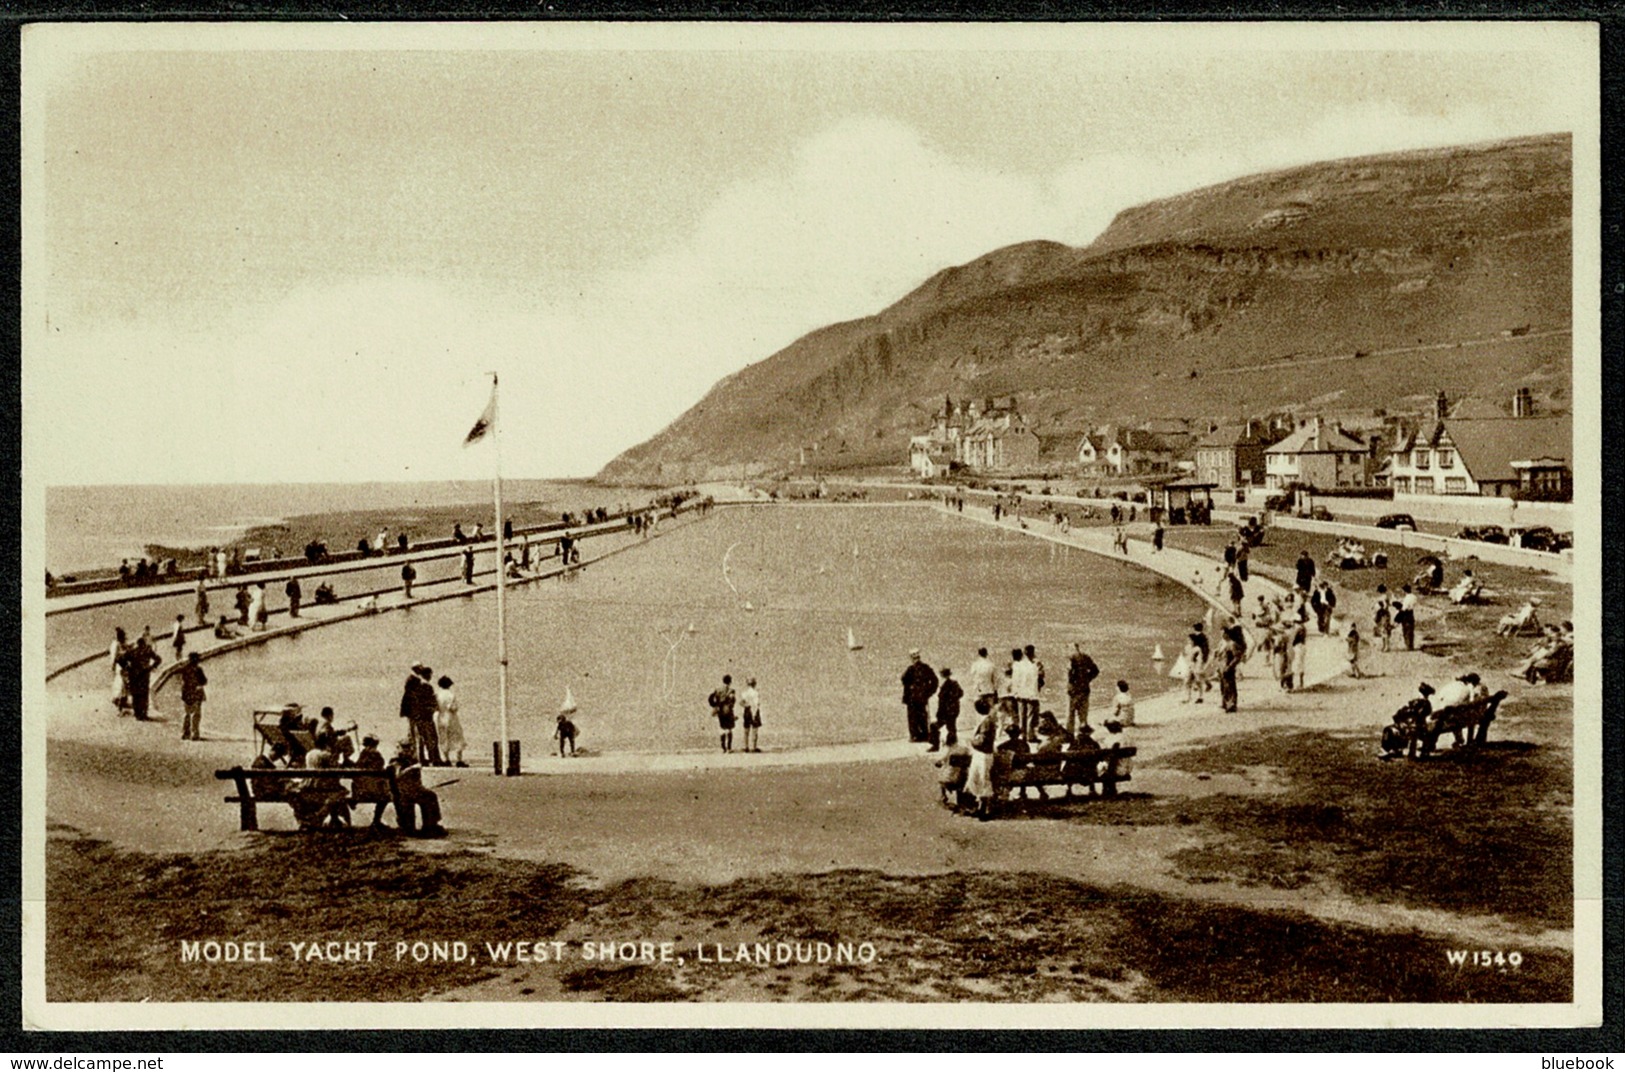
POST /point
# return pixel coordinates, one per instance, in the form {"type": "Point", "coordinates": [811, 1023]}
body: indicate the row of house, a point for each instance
{"type": "Point", "coordinates": [1472, 449]}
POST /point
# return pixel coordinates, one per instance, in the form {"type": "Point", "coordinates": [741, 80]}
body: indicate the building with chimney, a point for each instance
{"type": "Point", "coordinates": [1476, 449]}
{"type": "Point", "coordinates": [1320, 454]}
{"type": "Point", "coordinates": [1232, 455]}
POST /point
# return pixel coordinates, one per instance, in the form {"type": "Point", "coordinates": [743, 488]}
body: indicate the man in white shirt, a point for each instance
{"type": "Point", "coordinates": [1406, 618]}
{"type": "Point", "coordinates": [1024, 688]}
{"type": "Point", "coordinates": [750, 706]}
{"type": "Point", "coordinates": [980, 679]}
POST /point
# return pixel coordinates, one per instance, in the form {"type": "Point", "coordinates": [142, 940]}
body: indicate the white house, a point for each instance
{"type": "Point", "coordinates": [1318, 455]}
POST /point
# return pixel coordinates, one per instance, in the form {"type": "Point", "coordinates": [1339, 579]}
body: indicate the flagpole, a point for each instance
{"type": "Point", "coordinates": [502, 584]}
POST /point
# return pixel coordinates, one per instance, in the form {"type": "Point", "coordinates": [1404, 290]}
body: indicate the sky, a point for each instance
{"type": "Point", "coordinates": [295, 253]}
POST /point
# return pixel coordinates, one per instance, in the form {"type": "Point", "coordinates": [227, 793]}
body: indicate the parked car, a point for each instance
{"type": "Point", "coordinates": [1397, 521]}
{"type": "Point", "coordinates": [1540, 538]}
{"type": "Point", "coordinates": [1483, 534]}
{"type": "Point", "coordinates": [1319, 513]}
{"type": "Point", "coordinates": [1279, 502]}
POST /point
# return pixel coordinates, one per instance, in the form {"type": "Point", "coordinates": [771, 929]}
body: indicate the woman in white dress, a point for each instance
{"type": "Point", "coordinates": [447, 724]}
{"type": "Point", "coordinates": [121, 684]}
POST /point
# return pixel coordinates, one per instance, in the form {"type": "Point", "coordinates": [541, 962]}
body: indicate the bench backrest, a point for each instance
{"type": "Point", "coordinates": [282, 774]}
{"type": "Point", "coordinates": [1019, 760]}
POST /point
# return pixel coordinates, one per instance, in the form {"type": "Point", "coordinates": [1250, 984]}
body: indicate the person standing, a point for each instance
{"type": "Point", "coordinates": [1354, 650]}
{"type": "Point", "coordinates": [722, 700]}
{"type": "Point", "coordinates": [1405, 617]}
{"type": "Point", "coordinates": [949, 693]}
{"type": "Point", "coordinates": [177, 636]}
{"type": "Point", "coordinates": [1157, 535]}
{"type": "Point", "coordinates": [139, 662]}
{"type": "Point", "coordinates": [919, 685]}
{"type": "Point", "coordinates": [193, 680]}
{"type": "Point", "coordinates": [418, 708]}
{"type": "Point", "coordinates": [1382, 618]}
{"type": "Point", "coordinates": [256, 608]}
{"type": "Point", "coordinates": [468, 565]}
{"type": "Point", "coordinates": [242, 601]}
{"type": "Point", "coordinates": [121, 678]}
{"type": "Point", "coordinates": [1242, 554]}
{"type": "Point", "coordinates": [1235, 591]}
{"type": "Point", "coordinates": [202, 604]}
{"type": "Point", "coordinates": [295, 594]}
{"type": "Point", "coordinates": [1227, 661]}
{"type": "Point", "coordinates": [981, 679]}
{"type": "Point", "coordinates": [1024, 687]}
{"type": "Point", "coordinates": [448, 727]}
{"type": "Point", "coordinates": [750, 708]}
{"type": "Point", "coordinates": [1299, 655]}
{"type": "Point", "coordinates": [1306, 571]}
{"type": "Point", "coordinates": [408, 575]}
{"type": "Point", "coordinates": [979, 778]}
{"type": "Point", "coordinates": [1080, 675]}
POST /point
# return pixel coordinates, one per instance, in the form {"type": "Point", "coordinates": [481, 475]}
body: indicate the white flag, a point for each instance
{"type": "Point", "coordinates": [487, 419]}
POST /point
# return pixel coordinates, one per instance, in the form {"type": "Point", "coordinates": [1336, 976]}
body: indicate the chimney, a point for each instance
{"type": "Point", "coordinates": [1523, 404]}
{"type": "Point", "coordinates": [1441, 407]}
{"type": "Point", "coordinates": [1247, 432]}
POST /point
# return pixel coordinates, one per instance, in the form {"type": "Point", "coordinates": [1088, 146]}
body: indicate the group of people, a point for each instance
{"type": "Point", "coordinates": [1016, 691]}
{"type": "Point", "coordinates": [319, 802]}
{"type": "Point", "coordinates": [133, 664]}
{"type": "Point", "coordinates": [434, 730]}
{"type": "Point", "coordinates": [1552, 656]}
{"type": "Point", "coordinates": [1428, 713]}
{"type": "Point", "coordinates": [729, 706]}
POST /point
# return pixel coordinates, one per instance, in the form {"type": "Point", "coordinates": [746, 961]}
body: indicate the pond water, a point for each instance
{"type": "Point", "coordinates": [640, 639]}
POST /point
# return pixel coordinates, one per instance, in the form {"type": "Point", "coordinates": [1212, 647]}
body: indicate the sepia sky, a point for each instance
{"type": "Point", "coordinates": [288, 253]}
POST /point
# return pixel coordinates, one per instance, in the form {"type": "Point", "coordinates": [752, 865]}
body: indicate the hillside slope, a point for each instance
{"type": "Point", "coordinates": [1250, 295]}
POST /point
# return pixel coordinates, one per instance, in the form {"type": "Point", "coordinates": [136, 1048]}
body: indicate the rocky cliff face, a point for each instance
{"type": "Point", "coordinates": [1345, 287]}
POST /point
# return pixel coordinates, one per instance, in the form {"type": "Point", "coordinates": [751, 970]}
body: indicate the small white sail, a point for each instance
{"type": "Point", "coordinates": [749, 605]}
{"type": "Point", "coordinates": [852, 640]}
{"type": "Point", "coordinates": [568, 707]}
{"type": "Point", "coordinates": [1157, 656]}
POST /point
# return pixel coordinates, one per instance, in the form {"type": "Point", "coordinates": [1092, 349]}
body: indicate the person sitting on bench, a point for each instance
{"type": "Point", "coordinates": [413, 794]}
{"type": "Point", "coordinates": [1053, 734]}
{"type": "Point", "coordinates": [277, 760]}
{"type": "Point", "coordinates": [1016, 744]}
{"type": "Point", "coordinates": [374, 791]}
{"type": "Point", "coordinates": [1466, 689]}
{"type": "Point", "coordinates": [1407, 723]}
{"type": "Point", "coordinates": [321, 800]}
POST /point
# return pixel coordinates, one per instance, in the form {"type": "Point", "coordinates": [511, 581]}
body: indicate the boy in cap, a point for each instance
{"type": "Point", "coordinates": [374, 791]}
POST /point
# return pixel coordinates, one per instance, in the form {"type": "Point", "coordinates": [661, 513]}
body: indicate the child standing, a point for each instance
{"type": "Point", "coordinates": [1123, 705]}
{"type": "Point", "coordinates": [566, 735]}
{"type": "Point", "coordinates": [750, 704]}
{"type": "Point", "coordinates": [1354, 650]}
{"type": "Point", "coordinates": [722, 705]}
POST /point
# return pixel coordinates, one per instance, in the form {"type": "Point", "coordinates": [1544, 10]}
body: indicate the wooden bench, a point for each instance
{"type": "Point", "coordinates": [1089, 767]}
{"type": "Point", "coordinates": [1474, 718]}
{"type": "Point", "coordinates": [388, 790]}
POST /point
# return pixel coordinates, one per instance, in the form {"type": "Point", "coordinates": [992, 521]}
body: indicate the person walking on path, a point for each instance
{"type": "Point", "coordinates": [919, 685]}
{"type": "Point", "coordinates": [1306, 571]}
{"type": "Point", "coordinates": [1242, 554]}
{"type": "Point", "coordinates": [1353, 639]}
{"type": "Point", "coordinates": [192, 696]}
{"type": "Point", "coordinates": [177, 636]}
{"type": "Point", "coordinates": [448, 727]}
{"type": "Point", "coordinates": [722, 700]}
{"type": "Point", "coordinates": [1324, 601]}
{"type": "Point", "coordinates": [750, 710]}
{"type": "Point", "coordinates": [949, 693]}
{"type": "Point", "coordinates": [980, 677]}
{"type": "Point", "coordinates": [1081, 672]}
{"type": "Point", "coordinates": [1024, 687]}
{"type": "Point", "coordinates": [139, 662]}
{"type": "Point", "coordinates": [468, 565]}
{"type": "Point", "coordinates": [408, 575]}
{"type": "Point", "coordinates": [295, 594]}
{"type": "Point", "coordinates": [201, 607]}
{"type": "Point", "coordinates": [242, 602]}
{"type": "Point", "coordinates": [1157, 535]}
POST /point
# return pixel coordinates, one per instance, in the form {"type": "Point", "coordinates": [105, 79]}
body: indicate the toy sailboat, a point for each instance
{"type": "Point", "coordinates": [1157, 656]}
{"type": "Point", "coordinates": [568, 707]}
{"type": "Point", "coordinates": [852, 640]}
{"type": "Point", "coordinates": [749, 605]}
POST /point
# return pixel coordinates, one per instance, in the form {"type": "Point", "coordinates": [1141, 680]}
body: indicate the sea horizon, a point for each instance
{"type": "Point", "coordinates": [94, 526]}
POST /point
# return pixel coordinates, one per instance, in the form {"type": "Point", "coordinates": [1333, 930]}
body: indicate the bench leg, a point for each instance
{"type": "Point", "coordinates": [1108, 787]}
{"type": "Point", "coordinates": [247, 814]}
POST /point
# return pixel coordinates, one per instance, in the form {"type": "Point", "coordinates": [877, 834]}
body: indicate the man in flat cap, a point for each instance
{"type": "Point", "coordinates": [919, 685]}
